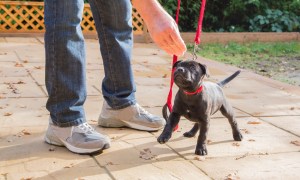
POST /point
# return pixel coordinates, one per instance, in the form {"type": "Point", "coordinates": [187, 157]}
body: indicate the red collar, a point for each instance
{"type": "Point", "coordinates": [200, 89]}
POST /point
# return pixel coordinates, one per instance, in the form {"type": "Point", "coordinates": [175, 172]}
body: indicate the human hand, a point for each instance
{"type": "Point", "coordinates": [164, 32]}
{"type": "Point", "coordinates": [161, 26]}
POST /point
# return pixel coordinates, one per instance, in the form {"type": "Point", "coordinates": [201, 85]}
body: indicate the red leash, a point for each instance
{"type": "Point", "coordinates": [200, 20]}
{"type": "Point", "coordinates": [175, 58]}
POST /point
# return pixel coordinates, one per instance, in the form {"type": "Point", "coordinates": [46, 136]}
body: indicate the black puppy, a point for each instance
{"type": "Point", "coordinates": [197, 101]}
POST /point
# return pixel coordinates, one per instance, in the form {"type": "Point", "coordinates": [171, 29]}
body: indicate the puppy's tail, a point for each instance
{"type": "Point", "coordinates": [227, 80]}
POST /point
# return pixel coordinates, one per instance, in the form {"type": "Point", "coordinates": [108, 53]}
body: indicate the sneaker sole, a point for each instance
{"type": "Point", "coordinates": [47, 140]}
{"type": "Point", "coordinates": [75, 149]}
{"type": "Point", "coordinates": [113, 123]}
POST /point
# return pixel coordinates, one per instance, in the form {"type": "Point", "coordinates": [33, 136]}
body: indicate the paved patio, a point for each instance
{"type": "Point", "coordinates": [268, 113]}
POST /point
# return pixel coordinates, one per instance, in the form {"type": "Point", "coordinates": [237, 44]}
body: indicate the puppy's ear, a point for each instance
{"type": "Point", "coordinates": [175, 65]}
{"type": "Point", "coordinates": [204, 69]}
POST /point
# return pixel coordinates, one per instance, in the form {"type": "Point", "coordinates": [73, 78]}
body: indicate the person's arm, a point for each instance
{"type": "Point", "coordinates": [161, 26]}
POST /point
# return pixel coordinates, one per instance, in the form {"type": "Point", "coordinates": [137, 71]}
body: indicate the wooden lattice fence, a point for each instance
{"type": "Point", "coordinates": [26, 17]}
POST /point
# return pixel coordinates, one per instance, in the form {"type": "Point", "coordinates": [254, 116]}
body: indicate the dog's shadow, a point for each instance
{"type": "Point", "coordinates": [192, 147]}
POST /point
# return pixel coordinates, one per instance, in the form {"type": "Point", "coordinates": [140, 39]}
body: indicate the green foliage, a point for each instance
{"type": "Point", "coordinates": [237, 15]}
{"type": "Point", "coordinates": [275, 20]}
{"type": "Point", "coordinates": [189, 12]}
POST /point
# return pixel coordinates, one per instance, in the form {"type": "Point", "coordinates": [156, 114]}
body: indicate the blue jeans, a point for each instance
{"type": "Point", "coordinates": [65, 57]}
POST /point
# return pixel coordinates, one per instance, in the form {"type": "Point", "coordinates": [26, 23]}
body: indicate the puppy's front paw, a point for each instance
{"type": "Point", "coordinates": [163, 138]}
{"type": "Point", "coordinates": [201, 150]}
{"type": "Point", "coordinates": [238, 136]}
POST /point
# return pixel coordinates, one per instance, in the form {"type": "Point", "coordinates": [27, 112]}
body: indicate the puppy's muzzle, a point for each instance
{"type": "Point", "coordinates": [181, 78]}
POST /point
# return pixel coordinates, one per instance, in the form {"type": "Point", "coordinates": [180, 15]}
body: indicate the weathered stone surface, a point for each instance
{"type": "Point", "coordinates": [262, 166]}
{"type": "Point", "coordinates": [221, 144]}
{"type": "Point", "coordinates": [288, 123]}
{"type": "Point", "coordinates": [267, 113]}
{"type": "Point", "coordinates": [24, 154]}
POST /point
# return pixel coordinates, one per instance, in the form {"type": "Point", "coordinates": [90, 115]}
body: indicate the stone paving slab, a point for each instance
{"type": "Point", "coordinates": [263, 99]}
{"type": "Point", "coordinates": [9, 70]}
{"type": "Point", "coordinates": [136, 154]}
{"type": "Point", "coordinates": [29, 90]}
{"type": "Point", "coordinates": [261, 166]}
{"type": "Point", "coordinates": [15, 112]}
{"type": "Point", "coordinates": [133, 148]}
{"type": "Point", "coordinates": [288, 123]}
{"type": "Point", "coordinates": [7, 55]}
{"type": "Point", "coordinates": [38, 76]}
{"type": "Point", "coordinates": [159, 170]}
{"type": "Point", "coordinates": [267, 112]}
{"type": "Point", "coordinates": [31, 53]}
{"type": "Point", "coordinates": [27, 156]}
{"type": "Point", "coordinates": [22, 40]}
{"type": "Point", "coordinates": [221, 143]}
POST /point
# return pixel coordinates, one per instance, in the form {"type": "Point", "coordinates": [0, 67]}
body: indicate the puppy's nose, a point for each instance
{"type": "Point", "coordinates": [180, 69]}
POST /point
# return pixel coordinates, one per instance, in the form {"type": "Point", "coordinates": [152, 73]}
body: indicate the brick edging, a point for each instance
{"type": "Point", "coordinates": [243, 37]}
{"type": "Point", "coordinates": [210, 37]}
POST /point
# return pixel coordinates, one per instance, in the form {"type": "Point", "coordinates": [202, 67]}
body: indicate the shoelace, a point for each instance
{"type": "Point", "coordinates": [142, 110]}
{"type": "Point", "coordinates": [86, 127]}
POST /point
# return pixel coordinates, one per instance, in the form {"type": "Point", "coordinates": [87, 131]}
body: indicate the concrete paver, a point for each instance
{"type": "Point", "coordinates": [288, 123]}
{"type": "Point", "coordinates": [8, 69]}
{"type": "Point", "coordinates": [159, 170]}
{"type": "Point", "coordinates": [15, 112]}
{"type": "Point", "coordinates": [262, 166]}
{"type": "Point", "coordinates": [265, 100]}
{"type": "Point", "coordinates": [268, 113]}
{"type": "Point", "coordinates": [221, 143]}
{"type": "Point", "coordinates": [7, 55]}
{"type": "Point", "coordinates": [24, 155]}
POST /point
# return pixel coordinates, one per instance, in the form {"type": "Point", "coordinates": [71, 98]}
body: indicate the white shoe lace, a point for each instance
{"type": "Point", "coordinates": [142, 110]}
{"type": "Point", "coordinates": [85, 127]}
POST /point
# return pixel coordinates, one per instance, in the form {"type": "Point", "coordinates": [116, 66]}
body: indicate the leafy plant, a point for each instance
{"type": "Point", "coordinates": [276, 21]}
{"type": "Point", "coordinates": [233, 15]}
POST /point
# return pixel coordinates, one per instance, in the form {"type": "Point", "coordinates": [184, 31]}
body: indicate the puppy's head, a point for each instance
{"type": "Point", "coordinates": [188, 75]}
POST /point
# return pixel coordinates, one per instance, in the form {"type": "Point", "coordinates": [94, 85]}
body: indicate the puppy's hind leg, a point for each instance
{"type": "Point", "coordinates": [228, 112]}
{"type": "Point", "coordinates": [193, 131]}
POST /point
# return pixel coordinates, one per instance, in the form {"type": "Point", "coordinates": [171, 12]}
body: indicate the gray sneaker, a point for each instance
{"type": "Point", "coordinates": [133, 116]}
{"type": "Point", "coordinates": [81, 139]}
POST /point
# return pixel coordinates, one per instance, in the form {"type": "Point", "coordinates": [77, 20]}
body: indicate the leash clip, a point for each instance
{"type": "Point", "coordinates": [194, 51]}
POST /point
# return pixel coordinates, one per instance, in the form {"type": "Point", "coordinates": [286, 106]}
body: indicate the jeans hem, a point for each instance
{"type": "Point", "coordinates": [125, 105]}
{"type": "Point", "coordinates": [75, 122]}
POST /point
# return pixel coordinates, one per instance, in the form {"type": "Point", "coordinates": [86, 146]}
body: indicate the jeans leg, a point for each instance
{"type": "Point", "coordinates": [114, 26]}
{"type": "Point", "coordinates": [65, 62]}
